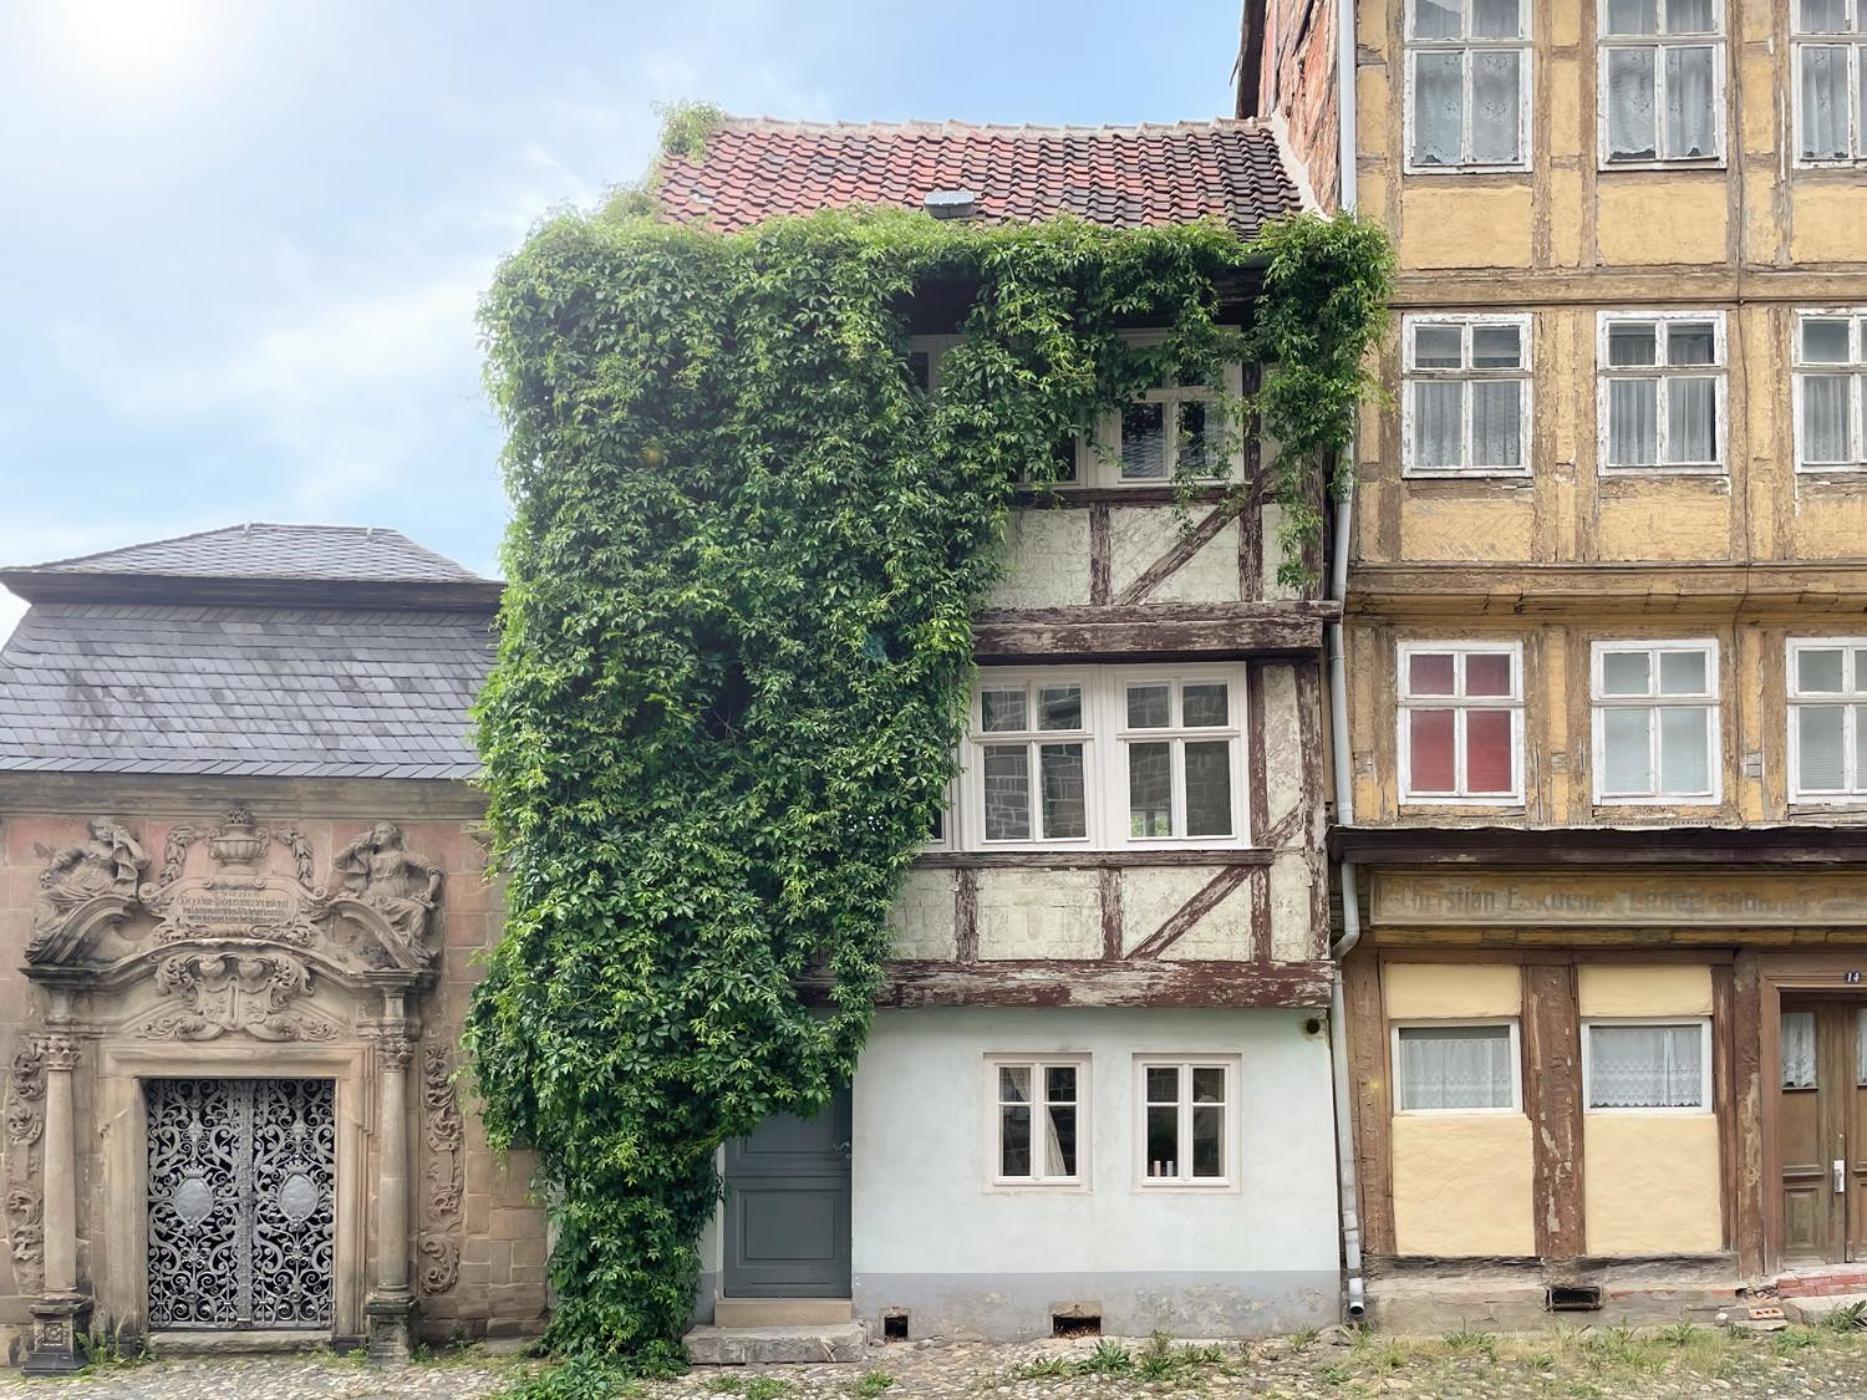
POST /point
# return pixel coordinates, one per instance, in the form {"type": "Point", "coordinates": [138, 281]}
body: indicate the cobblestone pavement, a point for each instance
{"type": "Point", "coordinates": [1609, 1364]}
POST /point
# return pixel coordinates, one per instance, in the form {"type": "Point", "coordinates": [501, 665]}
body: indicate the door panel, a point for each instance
{"type": "Point", "coordinates": [787, 1207]}
{"type": "Point", "coordinates": [1856, 1096]}
{"type": "Point", "coordinates": [1820, 1117]}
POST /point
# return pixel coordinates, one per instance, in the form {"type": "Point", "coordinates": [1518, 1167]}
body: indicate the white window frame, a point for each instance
{"type": "Point", "coordinates": [1599, 704]}
{"type": "Point", "coordinates": [1705, 1107]}
{"type": "Point", "coordinates": [1406, 702]}
{"type": "Point", "coordinates": [1846, 700]}
{"type": "Point", "coordinates": [1854, 39]}
{"type": "Point", "coordinates": [1525, 46]}
{"type": "Point", "coordinates": [1105, 740]}
{"type": "Point", "coordinates": [1659, 43]}
{"type": "Point", "coordinates": [1718, 371]}
{"type": "Point", "coordinates": [1037, 1062]}
{"type": "Point", "coordinates": [1856, 371]}
{"type": "Point", "coordinates": [1466, 375]}
{"type": "Point", "coordinates": [1230, 1137]}
{"type": "Point", "coordinates": [1512, 1023]}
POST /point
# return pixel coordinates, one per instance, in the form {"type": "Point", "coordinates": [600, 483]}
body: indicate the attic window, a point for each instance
{"type": "Point", "coordinates": [951, 204]}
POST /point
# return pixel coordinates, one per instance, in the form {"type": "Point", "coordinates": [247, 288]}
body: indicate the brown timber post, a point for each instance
{"type": "Point", "coordinates": [1552, 1083]}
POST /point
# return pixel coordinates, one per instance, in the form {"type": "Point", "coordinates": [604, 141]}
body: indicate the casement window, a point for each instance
{"type": "Point", "coordinates": [1468, 84]}
{"type": "Point", "coordinates": [1647, 1066]}
{"type": "Point", "coordinates": [1461, 722]}
{"type": "Point", "coordinates": [1104, 757]}
{"type": "Point", "coordinates": [1189, 1120]}
{"type": "Point", "coordinates": [1661, 81]}
{"type": "Point", "coordinates": [1828, 41]}
{"type": "Point", "coordinates": [1656, 721]}
{"type": "Point", "coordinates": [1831, 390]}
{"type": "Point", "coordinates": [1466, 399]}
{"type": "Point", "coordinates": [1039, 1119]}
{"type": "Point", "coordinates": [1828, 720]}
{"type": "Point", "coordinates": [1457, 1067]}
{"type": "Point", "coordinates": [1662, 387]}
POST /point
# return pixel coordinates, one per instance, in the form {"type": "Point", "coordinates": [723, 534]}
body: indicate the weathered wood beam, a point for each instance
{"type": "Point", "coordinates": [1148, 629]}
{"type": "Point", "coordinates": [1067, 982]}
{"type": "Point", "coordinates": [1086, 860]}
{"type": "Point", "coordinates": [1369, 1099]}
{"type": "Point", "coordinates": [1669, 846]}
{"type": "Point", "coordinates": [1203, 901]}
{"type": "Point", "coordinates": [1552, 1091]}
{"type": "Point", "coordinates": [1185, 546]}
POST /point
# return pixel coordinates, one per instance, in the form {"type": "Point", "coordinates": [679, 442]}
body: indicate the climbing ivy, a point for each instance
{"type": "Point", "coordinates": [735, 650]}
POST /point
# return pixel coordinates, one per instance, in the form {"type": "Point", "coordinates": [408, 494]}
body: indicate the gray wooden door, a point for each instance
{"type": "Point", "coordinates": [787, 1207]}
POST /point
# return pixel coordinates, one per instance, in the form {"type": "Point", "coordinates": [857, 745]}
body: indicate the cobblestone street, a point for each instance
{"type": "Point", "coordinates": [1594, 1364]}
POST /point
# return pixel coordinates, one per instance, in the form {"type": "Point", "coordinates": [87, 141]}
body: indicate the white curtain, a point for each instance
{"type": "Point", "coordinates": [1497, 423]}
{"type": "Point", "coordinates": [1646, 1067]}
{"type": "Point", "coordinates": [1633, 422]}
{"type": "Point", "coordinates": [1824, 101]}
{"type": "Point", "coordinates": [1820, 745]}
{"type": "Point", "coordinates": [1630, 104]}
{"type": "Point", "coordinates": [1496, 75]}
{"type": "Point", "coordinates": [1438, 422]}
{"type": "Point", "coordinates": [1452, 1067]}
{"type": "Point", "coordinates": [1438, 108]}
{"type": "Point", "coordinates": [1825, 417]}
{"type": "Point", "coordinates": [1798, 1049]}
{"type": "Point", "coordinates": [1691, 420]}
{"type": "Point", "coordinates": [1689, 98]}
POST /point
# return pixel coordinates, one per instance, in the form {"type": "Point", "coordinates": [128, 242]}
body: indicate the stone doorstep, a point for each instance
{"type": "Point", "coordinates": [1811, 1310]}
{"type": "Point", "coordinates": [236, 1343]}
{"type": "Point", "coordinates": [775, 1346]}
{"type": "Point", "coordinates": [1822, 1283]}
{"type": "Point", "coordinates": [781, 1312]}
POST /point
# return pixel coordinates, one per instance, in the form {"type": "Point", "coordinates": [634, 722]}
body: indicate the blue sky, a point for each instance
{"type": "Point", "coordinates": [244, 239]}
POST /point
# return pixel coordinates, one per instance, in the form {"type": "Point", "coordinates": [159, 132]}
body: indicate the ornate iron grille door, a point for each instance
{"type": "Point", "coordinates": [240, 1210]}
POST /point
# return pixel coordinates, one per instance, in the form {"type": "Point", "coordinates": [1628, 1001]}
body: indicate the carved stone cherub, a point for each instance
{"type": "Point", "coordinates": [393, 880]}
{"type": "Point", "coordinates": [110, 862]}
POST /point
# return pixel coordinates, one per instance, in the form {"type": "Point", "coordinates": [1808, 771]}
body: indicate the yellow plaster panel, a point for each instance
{"type": "Point", "coordinates": [1565, 26]}
{"type": "Point", "coordinates": [1566, 130]}
{"type": "Point", "coordinates": [1465, 528]}
{"type": "Point", "coordinates": [1762, 233]}
{"type": "Point", "coordinates": [1826, 223]}
{"type": "Point", "coordinates": [1760, 115]}
{"type": "Point", "coordinates": [1449, 992]}
{"type": "Point", "coordinates": [1565, 217]}
{"type": "Point", "coordinates": [1678, 989]}
{"type": "Point", "coordinates": [1455, 225]}
{"type": "Point", "coordinates": [1648, 219]}
{"type": "Point", "coordinates": [1462, 1184]}
{"type": "Point", "coordinates": [1650, 1183]}
{"type": "Point", "coordinates": [1665, 518]}
{"type": "Point", "coordinates": [1830, 520]}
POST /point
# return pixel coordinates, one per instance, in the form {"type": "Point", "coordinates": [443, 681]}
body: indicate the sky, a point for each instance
{"type": "Point", "coordinates": [242, 241]}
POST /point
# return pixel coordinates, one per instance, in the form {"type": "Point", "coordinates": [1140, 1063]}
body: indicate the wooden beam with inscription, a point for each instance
{"type": "Point", "coordinates": [1726, 900]}
{"type": "Point", "coordinates": [1065, 982]}
{"type": "Point", "coordinates": [1152, 630]}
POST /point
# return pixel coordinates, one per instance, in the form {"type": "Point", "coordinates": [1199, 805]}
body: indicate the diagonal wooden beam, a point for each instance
{"type": "Point", "coordinates": [1170, 563]}
{"type": "Point", "coordinates": [1205, 899]}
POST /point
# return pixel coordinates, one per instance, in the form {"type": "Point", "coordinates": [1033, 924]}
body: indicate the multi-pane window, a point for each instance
{"type": "Point", "coordinates": [1662, 81]}
{"type": "Point", "coordinates": [1828, 720]}
{"type": "Point", "coordinates": [1467, 394]}
{"type": "Point", "coordinates": [1647, 1065]}
{"type": "Point", "coordinates": [1175, 429]}
{"type": "Point", "coordinates": [1038, 1127]}
{"type": "Point", "coordinates": [1831, 390]}
{"type": "Point", "coordinates": [1656, 721]}
{"type": "Point", "coordinates": [1105, 756]}
{"type": "Point", "coordinates": [1454, 1067]}
{"type": "Point", "coordinates": [1662, 383]}
{"type": "Point", "coordinates": [1468, 84]}
{"type": "Point", "coordinates": [1461, 721]}
{"type": "Point", "coordinates": [1796, 1050]}
{"type": "Point", "coordinates": [1829, 41]}
{"type": "Point", "coordinates": [1188, 1118]}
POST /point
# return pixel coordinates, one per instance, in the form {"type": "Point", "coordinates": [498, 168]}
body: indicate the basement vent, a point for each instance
{"type": "Point", "coordinates": [1575, 1297]}
{"type": "Point", "coordinates": [895, 1326]}
{"type": "Point", "coordinates": [951, 204]}
{"type": "Point", "coordinates": [1075, 1324]}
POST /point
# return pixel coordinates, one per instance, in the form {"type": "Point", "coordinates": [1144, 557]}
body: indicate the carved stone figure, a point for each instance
{"type": "Point", "coordinates": [225, 992]}
{"type": "Point", "coordinates": [400, 885]}
{"type": "Point", "coordinates": [110, 862]}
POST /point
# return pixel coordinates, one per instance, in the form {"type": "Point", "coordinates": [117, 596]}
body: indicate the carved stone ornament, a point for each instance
{"type": "Point", "coordinates": [100, 870]}
{"type": "Point", "coordinates": [437, 1246]}
{"type": "Point", "coordinates": [378, 870]}
{"type": "Point", "coordinates": [23, 1204]}
{"type": "Point", "coordinates": [236, 895]}
{"type": "Point", "coordinates": [223, 992]}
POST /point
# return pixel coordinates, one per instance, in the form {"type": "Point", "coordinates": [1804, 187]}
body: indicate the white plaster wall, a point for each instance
{"type": "Point", "coordinates": [1040, 914]}
{"type": "Point", "coordinates": [922, 1206]}
{"type": "Point", "coordinates": [921, 917]}
{"type": "Point", "coordinates": [1047, 561]}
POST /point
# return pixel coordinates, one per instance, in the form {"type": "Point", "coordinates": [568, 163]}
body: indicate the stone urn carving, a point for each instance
{"type": "Point", "coordinates": [239, 841]}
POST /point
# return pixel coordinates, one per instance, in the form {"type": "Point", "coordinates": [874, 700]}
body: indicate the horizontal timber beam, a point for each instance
{"type": "Point", "coordinates": [1153, 630]}
{"type": "Point", "coordinates": [1076, 982]}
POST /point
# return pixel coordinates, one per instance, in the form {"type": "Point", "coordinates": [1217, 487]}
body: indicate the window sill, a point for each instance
{"type": "Point", "coordinates": [1164, 1187]}
{"type": "Point", "coordinates": [1709, 470]}
{"type": "Point", "coordinates": [1014, 1187]}
{"type": "Point", "coordinates": [1682, 166]}
{"type": "Point", "coordinates": [1833, 471]}
{"type": "Point", "coordinates": [1091, 860]}
{"type": "Point", "coordinates": [1511, 804]}
{"type": "Point", "coordinates": [1440, 171]}
{"type": "Point", "coordinates": [1506, 476]}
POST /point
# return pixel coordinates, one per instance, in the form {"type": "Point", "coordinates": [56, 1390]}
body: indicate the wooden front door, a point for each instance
{"type": "Point", "coordinates": [788, 1205]}
{"type": "Point", "coordinates": [1822, 1126]}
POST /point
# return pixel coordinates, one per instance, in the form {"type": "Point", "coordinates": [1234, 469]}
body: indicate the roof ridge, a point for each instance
{"type": "Point", "coordinates": [235, 545]}
{"type": "Point", "coordinates": [242, 527]}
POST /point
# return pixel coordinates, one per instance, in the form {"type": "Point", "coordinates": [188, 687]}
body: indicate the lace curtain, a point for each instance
{"type": "Point", "coordinates": [1646, 1067]}
{"type": "Point", "coordinates": [1824, 101]}
{"type": "Point", "coordinates": [1497, 423]}
{"type": "Point", "coordinates": [1633, 422]}
{"type": "Point", "coordinates": [1689, 98]}
{"type": "Point", "coordinates": [1798, 1049]}
{"type": "Point", "coordinates": [1454, 1067]}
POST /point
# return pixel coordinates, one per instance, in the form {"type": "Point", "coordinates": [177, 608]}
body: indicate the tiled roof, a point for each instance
{"type": "Point", "coordinates": [755, 169]}
{"type": "Point", "coordinates": [263, 691]}
{"type": "Point", "coordinates": [350, 553]}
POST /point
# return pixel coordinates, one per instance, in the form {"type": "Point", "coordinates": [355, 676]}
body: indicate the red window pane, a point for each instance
{"type": "Point", "coordinates": [1487, 673]}
{"type": "Point", "coordinates": [1430, 751]}
{"type": "Point", "coordinates": [1487, 751]}
{"type": "Point", "coordinates": [1430, 673]}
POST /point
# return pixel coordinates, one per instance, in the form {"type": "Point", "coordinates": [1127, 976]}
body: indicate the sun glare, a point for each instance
{"type": "Point", "coordinates": [132, 46]}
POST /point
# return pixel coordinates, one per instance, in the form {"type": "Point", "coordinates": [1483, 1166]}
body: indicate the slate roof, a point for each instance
{"type": "Point", "coordinates": [353, 553]}
{"type": "Point", "coordinates": [755, 168]}
{"type": "Point", "coordinates": [117, 668]}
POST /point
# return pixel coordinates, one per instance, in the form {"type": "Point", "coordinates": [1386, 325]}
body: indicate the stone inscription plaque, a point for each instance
{"type": "Point", "coordinates": [212, 908]}
{"type": "Point", "coordinates": [1712, 899]}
